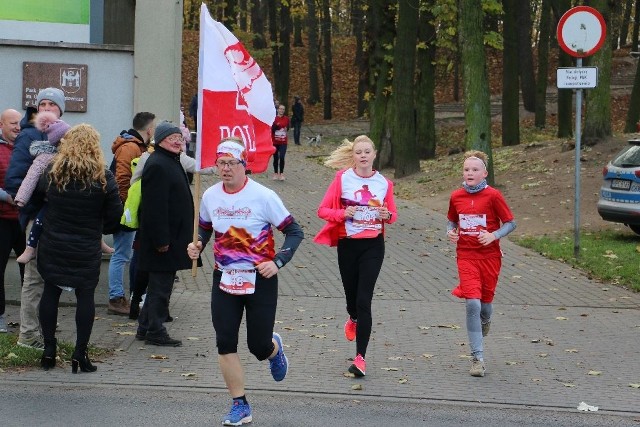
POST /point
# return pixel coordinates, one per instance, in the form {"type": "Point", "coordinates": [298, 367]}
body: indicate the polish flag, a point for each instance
{"type": "Point", "coordinates": [234, 97]}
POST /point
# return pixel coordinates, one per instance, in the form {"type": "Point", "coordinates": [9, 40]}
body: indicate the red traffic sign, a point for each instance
{"type": "Point", "coordinates": [581, 31]}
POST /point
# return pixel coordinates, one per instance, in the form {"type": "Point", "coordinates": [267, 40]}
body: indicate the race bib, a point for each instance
{"type": "Point", "coordinates": [367, 217]}
{"type": "Point", "coordinates": [281, 134]}
{"type": "Point", "coordinates": [472, 224]}
{"type": "Point", "coordinates": [238, 282]}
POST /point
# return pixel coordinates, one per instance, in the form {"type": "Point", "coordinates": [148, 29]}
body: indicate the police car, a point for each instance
{"type": "Point", "coordinates": [620, 191]}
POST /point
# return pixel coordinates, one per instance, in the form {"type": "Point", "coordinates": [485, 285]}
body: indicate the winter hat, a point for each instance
{"type": "Point", "coordinates": [163, 130]}
{"type": "Point", "coordinates": [55, 128]}
{"type": "Point", "coordinates": [52, 94]}
{"type": "Point", "coordinates": [234, 148]}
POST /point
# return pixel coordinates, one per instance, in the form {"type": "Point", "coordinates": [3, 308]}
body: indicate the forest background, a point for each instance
{"type": "Point", "coordinates": [344, 58]}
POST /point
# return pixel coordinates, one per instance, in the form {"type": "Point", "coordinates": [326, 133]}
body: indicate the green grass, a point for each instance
{"type": "Point", "coordinates": [12, 356]}
{"type": "Point", "coordinates": [608, 255]}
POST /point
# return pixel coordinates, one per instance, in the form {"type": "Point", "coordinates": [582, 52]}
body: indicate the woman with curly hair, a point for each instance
{"type": "Point", "coordinates": [357, 205]}
{"type": "Point", "coordinates": [82, 204]}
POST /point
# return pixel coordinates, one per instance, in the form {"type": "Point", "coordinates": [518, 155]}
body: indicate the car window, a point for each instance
{"type": "Point", "coordinates": [628, 158]}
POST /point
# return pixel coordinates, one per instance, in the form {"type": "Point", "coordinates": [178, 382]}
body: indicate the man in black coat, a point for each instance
{"type": "Point", "coordinates": [166, 228]}
{"type": "Point", "coordinates": [297, 118]}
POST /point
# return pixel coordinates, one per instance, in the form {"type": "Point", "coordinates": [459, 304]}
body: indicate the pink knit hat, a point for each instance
{"type": "Point", "coordinates": [55, 128]}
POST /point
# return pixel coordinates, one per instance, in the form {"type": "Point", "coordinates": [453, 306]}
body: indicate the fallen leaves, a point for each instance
{"type": "Point", "coordinates": [158, 357]}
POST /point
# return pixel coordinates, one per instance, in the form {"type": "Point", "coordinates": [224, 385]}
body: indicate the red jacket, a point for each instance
{"type": "Point", "coordinates": [7, 211]}
{"type": "Point", "coordinates": [279, 130]}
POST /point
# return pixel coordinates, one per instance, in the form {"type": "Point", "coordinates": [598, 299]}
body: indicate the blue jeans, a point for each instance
{"type": "Point", "coordinates": [122, 245]}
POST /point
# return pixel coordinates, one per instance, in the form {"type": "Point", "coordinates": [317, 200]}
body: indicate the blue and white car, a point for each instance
{"type": "Point", "coordinates": [620, 191]}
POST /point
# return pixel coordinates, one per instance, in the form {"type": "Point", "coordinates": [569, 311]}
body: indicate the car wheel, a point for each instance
{"type": "Point", "coordinates": [635, 228]}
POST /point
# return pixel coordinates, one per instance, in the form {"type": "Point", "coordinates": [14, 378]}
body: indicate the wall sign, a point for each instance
{"type": "Point", "coordinates": [71, 78]}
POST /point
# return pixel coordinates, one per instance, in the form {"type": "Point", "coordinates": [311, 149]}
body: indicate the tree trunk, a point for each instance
{"type": "Point", "coordinates": [242, 15]}
{"type": "Point", "coordinates": [525, 54]}
{"type": "Point", "coordinates": [312, 53]}
{"type": "Point", "coordinates": [284, 47]}
{"type": "Point", "coordinates": [510, 95]}
{"type": "Point", "coordinates": [636, 28]}
{"type": "Point", "coordinates": [633, 112]}
{"type": "Point", "coordinates": [543, 65]}
{"type": "Point", "coordinates": [565, 97]}
{"type": "Point", "coordinates": [229, 19]}
{"type": "Point", "coordinates": [598, 111]}
{"type": "Point", "coordinates": [272, 13]}
{"type": "Point", "coordinates": [361, 57]}
{"type": "Point", "coordinates": [425, 84]}
{"type": "Point", "coordinates": [297, 31]}
{"type": "Point", "coordinates": [327, 75]}
{"type": "Point", "coordinates": [624, 29]}
{"type": "Point", "coordinates": [257, 25]}
{"type": "Point", "coordinates": [380, 34]}
{"type": "Point", "coordinates": [404, 150]}
{"type": "Point", "coordinates": [475, 80]}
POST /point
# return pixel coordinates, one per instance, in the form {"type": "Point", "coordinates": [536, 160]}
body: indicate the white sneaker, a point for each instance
{"type": "Point", "coordinates": [477, 368]}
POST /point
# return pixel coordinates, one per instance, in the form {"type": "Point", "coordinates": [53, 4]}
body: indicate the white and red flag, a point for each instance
{"type": "Point", "coordinates": [234, 97]}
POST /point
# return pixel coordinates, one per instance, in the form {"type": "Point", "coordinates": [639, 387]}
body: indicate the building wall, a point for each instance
{"type": "Point", "coordinates": [158, 59]}
{"type": "Point", "coordinates": [110, 82]}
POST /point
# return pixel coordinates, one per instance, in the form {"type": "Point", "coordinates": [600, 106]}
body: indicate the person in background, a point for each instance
{"type": "Point", "coordinates": [53, 100]}
{"type": "Point", "coordinates": [82, 204]}
{"type": "Point", "coordinates": [357, 205]}
{"type": "Point", "coordinates": [246, 269]}
{"type": "Point", "coordinates": [478, 218]}
{"type": "Point", "coordinates": [130, 144]}
{"type": "Point", "coordinates": [297, 117]}
{"type": "Point", "coordinates": [11, 234]}
{"type": "Point", "coordinates": [166, 227]}
{"type": "Point", "coordinates": [280, 138]}
{"type": "Point", "coordinates": [43, 152]}
{"type": "Point", "coordinates": [193, 111]}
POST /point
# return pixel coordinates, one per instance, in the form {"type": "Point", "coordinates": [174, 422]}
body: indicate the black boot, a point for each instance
{"type": "Point", "coordinates": [80, 359]}
{"type": "Point", "coordinates": [134, 310]}
{"type": "Point", "coordinates": [48, 360]}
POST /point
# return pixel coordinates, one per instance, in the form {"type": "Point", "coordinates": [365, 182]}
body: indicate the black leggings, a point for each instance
{"type": "Point", "coordinates": [360, 261]}
{"type": "Point", "coordinates": [85, 312]}
{"type": "Point", "coordinates": [226, 313]}
{"type": "Point", "coordinates": [278, 156]}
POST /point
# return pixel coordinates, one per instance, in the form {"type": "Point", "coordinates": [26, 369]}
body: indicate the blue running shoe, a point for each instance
{"type": "Point", "coordinates": [239, 414]}
{"type": "Point", "coordinates": [279, 363]}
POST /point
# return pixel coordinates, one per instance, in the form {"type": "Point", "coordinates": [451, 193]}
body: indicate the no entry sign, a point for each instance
{"type": "Point", "coordinates": [581, 31]}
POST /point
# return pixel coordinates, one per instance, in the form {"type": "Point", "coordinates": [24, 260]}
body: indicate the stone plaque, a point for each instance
{"type": "Point", "coordinates": [71, 78]}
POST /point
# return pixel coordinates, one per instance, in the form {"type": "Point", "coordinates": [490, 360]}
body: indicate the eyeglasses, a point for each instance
{"type": "Point", "coordinates": [231, 163]}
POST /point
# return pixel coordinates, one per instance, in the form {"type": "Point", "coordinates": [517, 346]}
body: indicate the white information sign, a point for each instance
{"type": "Point", "coordinates": [577, 77]}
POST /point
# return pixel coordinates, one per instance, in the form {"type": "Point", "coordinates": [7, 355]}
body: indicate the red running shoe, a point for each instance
{"type": "Point", "coordinates": [358, 367]}
{"type": "Point", "coordinates": [350, 329]}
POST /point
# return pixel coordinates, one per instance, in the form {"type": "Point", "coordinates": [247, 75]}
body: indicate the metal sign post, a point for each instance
{"type": "Point", "coordinates": [581, 32]}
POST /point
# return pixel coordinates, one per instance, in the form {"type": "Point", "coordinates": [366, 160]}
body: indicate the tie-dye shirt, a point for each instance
{"type": "Point", "coordinates": [242, 224]}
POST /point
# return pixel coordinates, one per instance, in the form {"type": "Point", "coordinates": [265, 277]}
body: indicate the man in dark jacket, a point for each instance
{"type": "Point", "coordinates": [50, 99]}
{"type": "Point", "coordinates": [11, 234]}
{"type": "Point", "coordinates": [166, 228]}
{"type": "Point", "coordinates": [127, 146]}
{"type": "Point", "coordinates": [297, 117]}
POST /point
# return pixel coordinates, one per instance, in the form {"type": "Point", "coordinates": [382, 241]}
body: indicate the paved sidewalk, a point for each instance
{"type": "Point", "coordinates": [557, 337]}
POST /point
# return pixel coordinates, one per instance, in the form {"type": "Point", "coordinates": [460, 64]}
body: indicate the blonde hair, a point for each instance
{"type": "Point", "coordinates": [477, 155]}
{"type": "Point", "coordinates": [79, 158]}
{"type": "Point", "coordinates": [342, 157]}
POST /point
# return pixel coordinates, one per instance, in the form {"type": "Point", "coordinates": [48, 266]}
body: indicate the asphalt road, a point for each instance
{"type": "Point", "coordinates": [62, 405]}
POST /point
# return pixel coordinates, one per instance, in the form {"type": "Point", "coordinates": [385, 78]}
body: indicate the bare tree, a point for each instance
{"type": "Point", "coordinates": [525, 54]}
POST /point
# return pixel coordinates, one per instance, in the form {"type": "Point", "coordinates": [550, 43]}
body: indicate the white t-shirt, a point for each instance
{"type": "Point", "coordinates": [242, 224]}
{"type": "Point", "coordinates": [367, 194]}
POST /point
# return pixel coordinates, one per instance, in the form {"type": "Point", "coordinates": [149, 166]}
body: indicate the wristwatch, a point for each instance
{"type": "Point", "coordinates": [279, 263]}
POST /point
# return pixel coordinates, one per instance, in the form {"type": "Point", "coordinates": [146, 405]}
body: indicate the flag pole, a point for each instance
{"type": "Point", "coordinates": [196, 217]}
